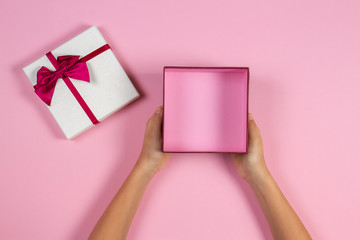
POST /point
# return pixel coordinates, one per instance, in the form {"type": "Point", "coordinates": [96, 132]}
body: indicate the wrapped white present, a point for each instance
{"type": "Point", "coordinates": [78, 104]}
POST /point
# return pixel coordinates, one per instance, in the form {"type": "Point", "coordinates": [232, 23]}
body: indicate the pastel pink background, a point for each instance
{"type": "Point", "coordinates": [304, 93]}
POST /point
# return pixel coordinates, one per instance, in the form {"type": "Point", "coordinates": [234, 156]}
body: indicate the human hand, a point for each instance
{"type": "Point", "coordinates": [152, 159]}
{"type": "Point", "coordinates": [251, 165]}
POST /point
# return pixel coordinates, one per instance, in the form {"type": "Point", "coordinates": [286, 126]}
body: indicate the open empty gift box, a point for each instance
{"type": "Point", "coordinates": [205, 109]}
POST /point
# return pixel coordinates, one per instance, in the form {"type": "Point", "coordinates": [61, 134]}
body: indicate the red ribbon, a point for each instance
{"type": "Point", "coordinates": [66, 67]}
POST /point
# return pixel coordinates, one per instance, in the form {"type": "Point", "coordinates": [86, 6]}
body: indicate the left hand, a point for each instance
{"type": "Point", "coordinates": [152, 158]}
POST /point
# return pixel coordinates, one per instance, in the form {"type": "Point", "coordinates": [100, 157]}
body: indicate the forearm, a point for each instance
{"type": "Point", "coordinates": [116, 220]}
{"type": "Point", "coordinates": [282, 219]}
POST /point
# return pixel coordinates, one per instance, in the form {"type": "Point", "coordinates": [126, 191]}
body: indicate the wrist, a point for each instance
{"type": "Point", "coordinates": [258, 177]}
{"type": "Point", "coordinates": [144, 168]}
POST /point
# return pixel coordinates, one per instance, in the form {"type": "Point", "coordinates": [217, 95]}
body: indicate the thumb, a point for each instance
{"type": "Point", "coordinates": [156, 121]}
{"type": "Point", "coordinates": [254, 132]}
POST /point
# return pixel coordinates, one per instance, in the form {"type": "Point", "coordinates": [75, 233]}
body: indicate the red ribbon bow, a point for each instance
{"type": "Point", "coordinates": [67, 66]}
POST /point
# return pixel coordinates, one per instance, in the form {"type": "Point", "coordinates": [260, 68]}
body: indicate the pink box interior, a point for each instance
{"type": "Point", "coordinates": [205, 109]}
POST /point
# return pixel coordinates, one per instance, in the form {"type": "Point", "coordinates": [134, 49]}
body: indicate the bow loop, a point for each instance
{"type": "Point", "coordinates": [68, 66]}
{"type": "Point", "coordinates": [67, 59]}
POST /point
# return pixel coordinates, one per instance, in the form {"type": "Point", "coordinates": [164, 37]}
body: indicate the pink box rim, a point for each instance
{"type": "Point", "coordinates": [247, 105]}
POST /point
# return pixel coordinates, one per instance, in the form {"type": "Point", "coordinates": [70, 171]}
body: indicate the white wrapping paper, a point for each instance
{"type": "Point", "coordinates": [109, 89]}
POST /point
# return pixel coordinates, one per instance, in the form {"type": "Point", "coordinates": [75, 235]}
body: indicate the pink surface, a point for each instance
{"type": "Point", "coordinates": [304, 95]}
{"type": "Point", "coordinates": [205, 110]}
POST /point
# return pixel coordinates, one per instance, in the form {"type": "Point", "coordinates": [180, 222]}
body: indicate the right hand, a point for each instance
{"type": "Point", "coordinates": [251, 165]}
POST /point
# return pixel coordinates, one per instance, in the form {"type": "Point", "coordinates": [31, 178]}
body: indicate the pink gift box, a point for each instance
{"type": "Point", "coordinates": [205, 109]}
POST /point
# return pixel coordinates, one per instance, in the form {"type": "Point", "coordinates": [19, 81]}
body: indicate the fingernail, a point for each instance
{"type": "Point", "coordinates": [251, 117]}
{"type": "Point", "coordinates": [158, 110]}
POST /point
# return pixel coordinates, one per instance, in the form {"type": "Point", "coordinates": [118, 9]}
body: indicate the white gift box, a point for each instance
{"type": "Point", "coordinates": [109, 89]}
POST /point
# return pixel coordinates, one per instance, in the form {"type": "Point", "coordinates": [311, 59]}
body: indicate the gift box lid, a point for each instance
{"type": "Point", "coordinates": [109, 89]}
{"type": "Point", "coordinates": [205, 109]}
